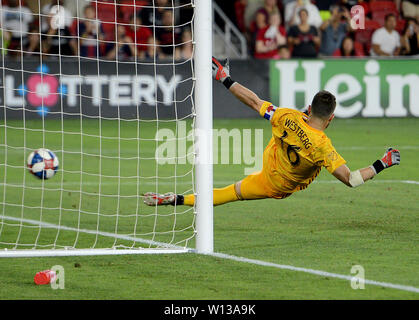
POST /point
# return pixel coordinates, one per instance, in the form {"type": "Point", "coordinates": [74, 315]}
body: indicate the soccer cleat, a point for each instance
{"type": "Point", "coordinates": [157, 199]}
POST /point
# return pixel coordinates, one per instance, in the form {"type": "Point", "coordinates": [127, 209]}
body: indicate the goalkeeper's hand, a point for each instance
{"type": "Point", "coordinates": [390, 158]}
{"type": "Point", "coordinates": [221, 72]}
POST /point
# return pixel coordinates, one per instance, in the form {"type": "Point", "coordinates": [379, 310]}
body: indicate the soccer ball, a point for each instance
{"type": "Point", "coordinates": [43, 163]}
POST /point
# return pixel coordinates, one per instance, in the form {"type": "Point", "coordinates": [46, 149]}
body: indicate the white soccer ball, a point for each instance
{"type": "Point", "coordinates": [43, 163]}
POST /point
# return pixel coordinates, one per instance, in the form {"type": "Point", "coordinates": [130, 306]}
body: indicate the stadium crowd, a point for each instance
{"type": "Point", "coordinates": [308, 29]}
{"type": "Point", "coordinates": [121, 29]}
{"type": "Point", "coordinates": [128, 29]}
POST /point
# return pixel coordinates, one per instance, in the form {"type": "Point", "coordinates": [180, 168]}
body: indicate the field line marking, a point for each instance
{"type": "Point", "coordinates": [217, 254]}
{"type": "Point", "coordinates": [312, 271]}
{"type": "Point", "coordinates": [88, 231]}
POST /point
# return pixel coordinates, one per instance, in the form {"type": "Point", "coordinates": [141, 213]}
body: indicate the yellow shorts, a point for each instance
{"type": "Point", "coordinates": [256, 186]}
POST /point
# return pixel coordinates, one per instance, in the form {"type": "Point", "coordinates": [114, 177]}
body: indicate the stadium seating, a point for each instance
{"type": "Point", "coordinates": [380, 16]}
{"type": "Point", "coordinates": [388, 6]}
{"type": "Point", "coordinates": [379, 10]}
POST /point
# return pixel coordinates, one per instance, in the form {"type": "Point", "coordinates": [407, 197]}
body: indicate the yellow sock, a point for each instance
{"type": "Point", "coordinates": [221, 196]}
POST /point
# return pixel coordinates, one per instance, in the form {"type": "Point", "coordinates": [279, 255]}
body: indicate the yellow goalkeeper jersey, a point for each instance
{"type": "Point", "coordinates": [297, 152]}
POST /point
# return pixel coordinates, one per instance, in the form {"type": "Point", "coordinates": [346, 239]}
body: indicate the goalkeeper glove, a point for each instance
{"type": "Point", "coordinates": [221, 72]}
{"type": "Point", "coordinates": [391, 157]}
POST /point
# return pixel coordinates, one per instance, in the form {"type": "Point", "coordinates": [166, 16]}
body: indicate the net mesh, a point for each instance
{"type": "Point", "coordinates": [108, 87]}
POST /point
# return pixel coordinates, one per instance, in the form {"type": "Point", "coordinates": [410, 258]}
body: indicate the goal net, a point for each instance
{"type": "Point", "coordinates": [108, 86]}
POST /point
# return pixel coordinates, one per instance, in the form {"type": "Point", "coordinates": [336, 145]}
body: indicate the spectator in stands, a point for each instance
{"type": "Point", "coordinates": [16, 19]}
{"type": "Point", "coordinates": [56, 7]}
{"type": "Point", "coordinates": [91, 33]}
{"type": "Point", "coordinates": [250, 12]}
{"type": "Point", "coordinates": [258, 24]}
{"type": "Point", "coordinates": [292, 10]}
{"type": "Point", "coordinates": [411, 9]}
{"type": "Point", "coordinates": [185, 50]}
{"type": "Point", "coordinates": [34, 39]}
{"type": "Point", "coordinates": [347, 49]}
{"type": "Point", "coordinates": [269, 7]}
{"type": "Point", "coordinates": [303, 37]}
{"type": "Point", "coordinates": [136, 30]}
{"type": "Point", "coordinates": [284, 52]}
{"type": "Point", "coordinates": [154, 16]}
{"type": "Point", "coordinates": [270, 38]}
{"type": "Point", "coordinates": [410, 38]}
{"type": "Point", "coordinates": [153, 50]}
{"type": "Point", "coordinates": [124, 46]}
{"type": "Point", "coordinates": [168, 35]}
{"type": "Point", "coordinates": [58, 39]}
{"type": "Point", "coordinates": [334, 30]}
{"type": "Point", "coordinates": [386, 40]}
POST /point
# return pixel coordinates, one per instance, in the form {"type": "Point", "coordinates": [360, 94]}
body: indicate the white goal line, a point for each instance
{"type": "Point", "coordinates": [312, 271]}
{"type": "Point", "coordinates": [180, 249]}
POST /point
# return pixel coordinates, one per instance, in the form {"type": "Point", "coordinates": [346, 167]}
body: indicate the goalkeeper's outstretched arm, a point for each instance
{"type": "Point", "coordinates": [221, 73]}
{"type": "Point", "coordinates": [246, 96]}
{"type": "Point", "coordinates": [356, 178]}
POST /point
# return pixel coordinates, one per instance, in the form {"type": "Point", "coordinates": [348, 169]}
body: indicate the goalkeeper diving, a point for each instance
{"type": "Point", "coordinates": [294, 156]}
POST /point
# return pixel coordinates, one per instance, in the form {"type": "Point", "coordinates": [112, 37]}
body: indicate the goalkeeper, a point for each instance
{"type": "Point", "coordinates": [294, 156]}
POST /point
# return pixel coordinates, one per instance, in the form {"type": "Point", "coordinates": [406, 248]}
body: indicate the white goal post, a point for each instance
{"type": "Point", "coordinates": [106, 112]}
{"type": "Point", "coordinates": [203, 100]}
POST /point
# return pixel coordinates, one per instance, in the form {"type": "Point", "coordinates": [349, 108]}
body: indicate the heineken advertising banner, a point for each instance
{"type": "Point", "coordinates": [363, 87]}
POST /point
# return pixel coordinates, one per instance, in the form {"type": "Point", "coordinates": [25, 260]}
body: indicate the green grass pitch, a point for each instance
{"type": "Point", "coordinates": [327, 227]}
